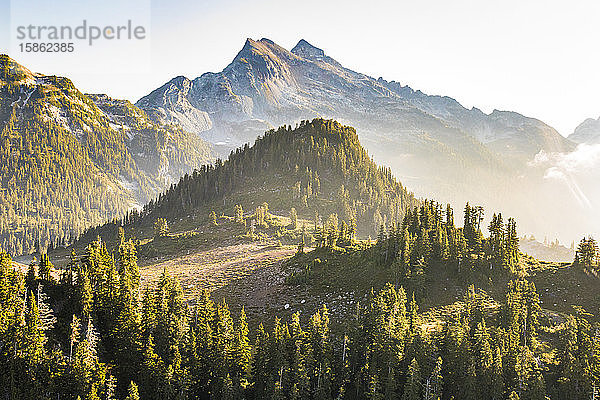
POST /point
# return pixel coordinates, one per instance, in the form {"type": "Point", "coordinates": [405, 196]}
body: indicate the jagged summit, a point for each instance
{"type": "Point", "coordinates": [249, 44]}
{"type": "Point", "coordinates": [262, 47]}
{"type": "Point", "coordinates": [179, 80]}
{"type": "Point", "coordinates": [306, 50]}
{"type": "Point", "coordinates": [265, 40]}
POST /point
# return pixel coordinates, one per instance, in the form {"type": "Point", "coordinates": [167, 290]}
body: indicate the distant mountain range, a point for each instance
{"type": "Point", "coordinates": [587, 132]}
{"type": "Point", "coordinates": [266, 85]}
{"type": "Point", "coordinates": [70, 159]}
{"type": "Point", "coordinates": [437, 147]}
{"type": "Point", "coordinates": [549, 252]}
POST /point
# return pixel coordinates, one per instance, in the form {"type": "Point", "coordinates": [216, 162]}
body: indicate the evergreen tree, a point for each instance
{"type": "Point", "coordinates": [132, 392]}
{"type": "Point", "coordinates": [239, 214]}
{"type": "Point", "coordinates": [45, 268]}
{"type": "Point", "coordinates": [242, 353]}
{"type": "Point", "coordinates": [47, 318]}
{"type": "Point", "coordinates": [511, 246]}
{"type": "Point", "coordinates": [587, 253]}
{"type": "Point", "coordinates": [412, 387]}
{"type": "Point", "coordinates": [161, 228]}
{"type": "Point", "coordinates": [433, 386]}
{"type": "Point", "coordinates": [74, 335]}
{"type": "Point", "coordinates": [293, 219]}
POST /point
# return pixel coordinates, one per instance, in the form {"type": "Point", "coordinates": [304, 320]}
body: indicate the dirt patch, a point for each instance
{"type": "Point", "coordinates": [222, 266]}
{"type": "Point", "coordinates": [249, 275]}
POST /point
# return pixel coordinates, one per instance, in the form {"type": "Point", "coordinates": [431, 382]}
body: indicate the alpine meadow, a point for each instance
{"type": "Point", "coordinates": [287, 228]}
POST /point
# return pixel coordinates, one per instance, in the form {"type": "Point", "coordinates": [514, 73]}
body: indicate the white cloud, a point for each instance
{"type": "Point", "coordinates": [579, 170]}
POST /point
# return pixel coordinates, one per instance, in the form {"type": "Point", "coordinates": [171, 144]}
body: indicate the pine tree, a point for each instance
{"type": "Point", "coordinates": [484, 360]}
{"type": "Point", "coordinates": [433, 385]}
{"type": "Point", "coordinates": [74, 335]}
{"type": "Point", "coordinates": [242, 352]}
{"type": "Point", "coordinates": [261, 370]}
{"type": "Point", "coordinates": [301, 243]}
{"type": "Point", "coordinates": [293, 219]}
{"type": "Point", "coordinates": [84, 295]}
{"type": "Point", "coordinates": [587, 254]}
{"type": "Point", "coordinates": [468, 229]}
{"type": "Point", "coordinates": [132, 392]}
{"type": "Point", "coordinates": [497, 240]}
{"type": "Point", "coordinates": [170, 317]}
{"type": "Point", "coordinates": [412, 387]}
{"type": "Point", "coordinates": [45, 268]}
{"type": "Point", "coordinates": [239, 214]}
{"type": "Point", "coordinates": [47, 317]}
{"type": "Point", "coordinates": [161, 228]}
{"type": "Point", "coordinates": [153, 372]}
{"type": "Point", "coordinates": [299, 379]}
{"type": "Point", "coordinates": [511, 246]}
{"type": "Point", "coordinates": [34, 337]}
{"type": "Point", "coordinates": [331, 231]}
{"type": "Point", "coordinates": [129, 273]}
{"type": "Point", "coordinates": [31, 277]}
{"type": "Point", "coordinates": [497, 385]}
{"type": "Point", "coordinates": [321, 350]}
{"type": "Point", "coordinates": [224, 345]}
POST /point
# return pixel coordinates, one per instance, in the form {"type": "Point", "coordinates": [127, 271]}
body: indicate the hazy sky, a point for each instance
{"type": "Point", "coordinates": [539, 58]}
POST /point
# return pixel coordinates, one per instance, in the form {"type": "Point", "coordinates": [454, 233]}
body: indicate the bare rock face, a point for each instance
{"type": "Point", "coordinates": [306, 50]}
{"type": "Point", "coordinates": [274, 86]}
{"type": "Point", "coordinates": [169, 104]}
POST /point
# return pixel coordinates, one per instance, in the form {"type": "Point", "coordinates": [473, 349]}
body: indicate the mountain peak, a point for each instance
{"type": "Point", "coordinates": [265, 40]}
{"type": "Point", "coordinates": [180, 81]}
{"type": "Point", "coordinates": [249, 43]}
{"type": "Point", "coordinates": [306, 50]}
{"type": "Point", "coordinates": [254, 44]}
{"type": "Point", "coordinates": [12, 71]}
{"type": "Point", "coordinates": [262, 47]}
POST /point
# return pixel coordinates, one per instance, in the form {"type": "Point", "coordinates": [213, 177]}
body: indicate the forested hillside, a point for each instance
{"type": "Point", "coordinates": [70, 160]}
{"type": "Point", "coordinates": [98, 328]}
{"type": "Point", "coordinates": [319, 168]}
{"type": "Point", "coordinates": [92, 331]}
{"type": "Point", "coordinates": [423, 247]}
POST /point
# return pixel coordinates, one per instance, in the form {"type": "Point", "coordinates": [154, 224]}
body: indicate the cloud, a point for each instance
{"type": "Point", "coordinates": [583, 158]}
{"type": "Point", "coordinates": [578, 170]}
